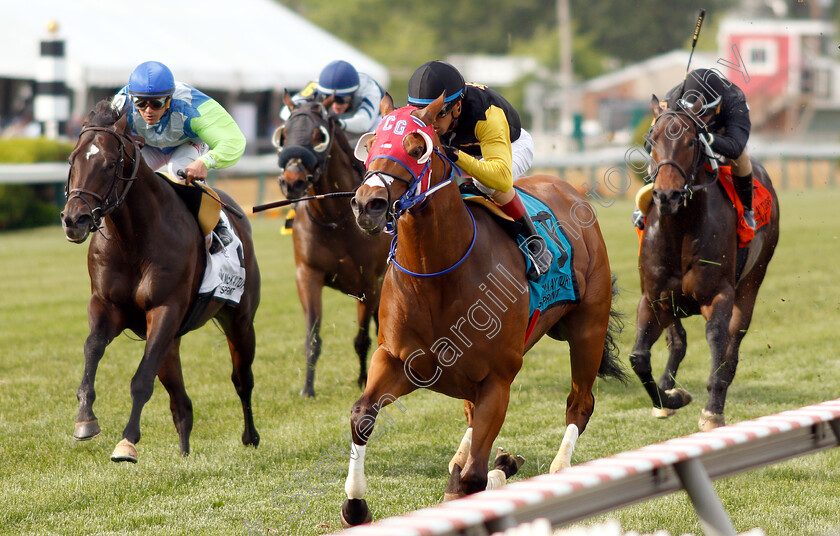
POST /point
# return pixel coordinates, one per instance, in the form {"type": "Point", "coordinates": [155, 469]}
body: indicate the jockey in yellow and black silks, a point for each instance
{"type": "Point", "coordinates": [482, 134]}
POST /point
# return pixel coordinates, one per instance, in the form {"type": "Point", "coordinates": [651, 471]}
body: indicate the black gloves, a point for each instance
{"type": "Point", "coordinates": [450, 152]}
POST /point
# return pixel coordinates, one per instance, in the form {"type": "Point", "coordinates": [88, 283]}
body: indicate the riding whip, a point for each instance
{"type": "Point", "coordinates": [276, 204]}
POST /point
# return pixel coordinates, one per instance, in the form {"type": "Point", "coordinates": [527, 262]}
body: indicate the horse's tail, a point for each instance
{"type": "Point", "coordinates": [610, 363]}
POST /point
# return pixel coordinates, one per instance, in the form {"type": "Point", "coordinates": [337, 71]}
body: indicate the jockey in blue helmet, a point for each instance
{"type": "Point", "coordinates": [183, 129]}
{"type": "Point", "coordinates": [356, 97]}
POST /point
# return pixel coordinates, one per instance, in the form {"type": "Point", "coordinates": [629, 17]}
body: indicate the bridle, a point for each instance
{"type": "Point", "coordinates": [411, 202]}
{"type": "Point", "coordinates": [701, 151]}
{"type": "Point", "coordinates": [111, 201]}
{"type": "Point", "coordinates": [321, 151]}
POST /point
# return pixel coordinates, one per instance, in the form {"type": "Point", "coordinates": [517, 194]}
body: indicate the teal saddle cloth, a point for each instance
{"type": "Point", "coordinates": [558, 286]}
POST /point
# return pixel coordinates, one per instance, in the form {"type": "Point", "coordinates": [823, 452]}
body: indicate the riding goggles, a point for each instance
{"type": "Point", "coordinates": [141, 103]}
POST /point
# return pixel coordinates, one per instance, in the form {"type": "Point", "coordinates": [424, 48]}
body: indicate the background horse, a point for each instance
{"type": "Point", "coordinates": [329, 248]}
{"type": "Point", "coordinates": [688, 261]}
{"type": "Point", "coordinates": [437, 328]}
{"type": "Point", "coordinates": [146, 263]}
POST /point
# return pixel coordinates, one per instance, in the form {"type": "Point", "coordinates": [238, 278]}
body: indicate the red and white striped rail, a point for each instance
{"type": "Point", "coordinates": [629, 477]}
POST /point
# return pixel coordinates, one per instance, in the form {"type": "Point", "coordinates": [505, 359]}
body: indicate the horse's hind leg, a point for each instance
{"type": "Point", "coordinates": [172, 378]}
{"type": "Point", "coordinates": [676, 340]}
{"type": "Point", "coordinates": [387, 382]}
{"type": "Point", "coordinates": [242, 345]}
{"type": "Point", "coordinates": [310, 284]}
{"type": "Point", "coordinates": [586, 330]}
{"type": "Point", "coordinates": [364, 311]}
{"type": "Point", "coordinates": [105, 323]}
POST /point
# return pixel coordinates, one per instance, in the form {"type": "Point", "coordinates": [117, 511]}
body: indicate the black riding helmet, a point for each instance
{"type": "Point", "coordinates": [707, 85]}
{"type": "Point", "coordinates": [432, 79]}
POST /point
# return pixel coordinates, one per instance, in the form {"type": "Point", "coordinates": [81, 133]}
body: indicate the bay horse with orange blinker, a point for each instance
{"type": "Point", "coordinates": [329, 247]}
{"type": "Point", "coordinates": [146, 262]}
{"type": "Point", "coordinates": [447, 252]}
{"type": "Point", "coordinates": [690, 263]}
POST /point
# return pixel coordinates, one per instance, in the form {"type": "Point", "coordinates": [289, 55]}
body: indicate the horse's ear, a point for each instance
{"type": "Point", "coordinates": [287, 99]}
{"type": "Point", "coordinates": [363, 146]}
{"type": "Point", "coordinates": [655, 107]}
{"type": "Point", "coordinates": [386, 105]}
{"type": "Point", "coordinates": [430, 112]}
{"type": "Point", "coordinates": [122, 124]}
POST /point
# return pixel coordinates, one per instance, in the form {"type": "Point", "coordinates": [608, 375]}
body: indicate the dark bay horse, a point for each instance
{"type": "Point", "coordinates": [146, 261]}
{"type": "Point", "coordinates": [329, 247]}
{"type": "Point", "coordinates": [457, 323]}
{"type": "Point", "coordinates": [688, 262]}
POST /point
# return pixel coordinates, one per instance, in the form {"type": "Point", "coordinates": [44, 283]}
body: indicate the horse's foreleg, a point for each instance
{"type": "Point", "coordinates": [676, 339]}
{"type": "Point", "coordinates": [364, 311]}
{"type": "Point", "coordinates": [162, 324]}
{"type": "Point", "coordinates": [387, 381]}
{"type": "Point", "coordinates": [718, 315]}
{"type": "Point", "coordinates": [650, 322]}
{"type": "Point", "coordinates": [310, 284]}
{"type": "Point", "coordinates": [242, 345]}
{"type": "Point", "coordinates": [172, 378]}
{"type": "Point", "coordinates": [490, 408]}
{"type": "Point", "coordinates": [105, 323]}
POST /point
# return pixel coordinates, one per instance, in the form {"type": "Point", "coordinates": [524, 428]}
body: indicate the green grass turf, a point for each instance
{"type": "Point", "coordinates": [51, 484]}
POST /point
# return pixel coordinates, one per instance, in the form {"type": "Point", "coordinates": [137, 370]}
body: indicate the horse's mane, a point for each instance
{"type": "Point", "coordinates": [103, 115]}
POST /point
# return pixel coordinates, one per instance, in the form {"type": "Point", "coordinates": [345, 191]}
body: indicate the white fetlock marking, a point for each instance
{"type": "Point", "coordinates": [356, 485]}
{"type": "Point", "coordinates": [567, 448]}
{"type": "Point", "coordinates": [463, 451]}
{"type": "Point", "coordinates": [496, 479]}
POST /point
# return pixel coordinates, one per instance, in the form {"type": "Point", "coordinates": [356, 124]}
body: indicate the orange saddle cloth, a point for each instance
{"type": "Point", "coordinates": [762, 205]}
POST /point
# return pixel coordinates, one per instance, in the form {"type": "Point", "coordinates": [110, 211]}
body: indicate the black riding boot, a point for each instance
{"type": "Point", "coordinates": [744, 189]}
{"type": "Point", "coordinates": [538, 252]}
{"type": "Point", "coordinates": [220, 238]}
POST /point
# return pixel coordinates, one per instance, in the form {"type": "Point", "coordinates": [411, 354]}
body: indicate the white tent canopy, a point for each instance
{"type": "Point", "coordinates": [230, 45]}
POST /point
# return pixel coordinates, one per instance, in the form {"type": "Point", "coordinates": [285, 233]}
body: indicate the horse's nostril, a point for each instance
{"type": "Point", "coordinates": [376, 206]}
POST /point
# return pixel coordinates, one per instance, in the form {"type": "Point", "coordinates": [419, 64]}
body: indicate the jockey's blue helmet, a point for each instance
{"type": "Point", "coordinates": [338, 78]}
{"type": "Point", "coordinates": [433, 79]}
{"type": "Point", "coordinates": [151, 79]}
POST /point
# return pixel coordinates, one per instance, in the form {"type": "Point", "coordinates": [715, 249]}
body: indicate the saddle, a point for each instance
{"type": "Point", "coordinates": [204, 208]}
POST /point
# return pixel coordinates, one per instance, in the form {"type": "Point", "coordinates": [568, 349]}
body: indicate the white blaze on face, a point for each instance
{"type": "Point", "coordinates": [379, 180]}
{"type": "Point", "coordinates": [92, 151]}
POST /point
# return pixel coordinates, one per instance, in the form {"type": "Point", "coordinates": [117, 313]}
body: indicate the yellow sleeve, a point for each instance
{"type": "Point", "coordinates": [494, 169]}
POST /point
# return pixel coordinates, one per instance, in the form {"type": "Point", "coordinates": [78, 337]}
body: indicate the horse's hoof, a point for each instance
{"type": "Point", "coordinates": [355, 512]}
{"type": "Point", "coordinates": [453, 485]}
{"type": "Point", "coordinates": [662, 413]}
{"type": "Point", "coordinates": [251, 439]}
{"type": "Point", "coordinates": [86, 430]}
{"type": "Point", "coordinates": [710, 421]}
{"type": "Point", "coordinates": [307, 392]}
{"type": "Point", "coordinates": [684, 396]}
{"type": "Point", "coordinates": [362, 382]}
{"type": "Point", "coordinates": [124, 452]}
{"type": "Point", "coordinates": [508, 463]}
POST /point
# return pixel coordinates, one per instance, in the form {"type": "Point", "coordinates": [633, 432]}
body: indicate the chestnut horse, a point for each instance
{"type": "Point", "coordinates": [688, 262]}
{"type": "Point", "coordinates": [146, 261]}
{"type": "Point", "coordinates": [329, 248]}
{"type": "Point", "coordinates": [449, 257]}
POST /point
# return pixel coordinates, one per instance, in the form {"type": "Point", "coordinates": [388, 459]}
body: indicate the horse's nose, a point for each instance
{"type": "Point", "coordinates": [81, 221]}
{"type": "Point", "coordinates": [665, 197]}
{"type": "Point", "coordinates": [376, 207]}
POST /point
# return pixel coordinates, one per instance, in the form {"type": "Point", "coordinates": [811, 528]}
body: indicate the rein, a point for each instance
{"type": "Point", "coordinates": [105, 207]}
{"type": "Point", "coordinates": [408, 201]}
